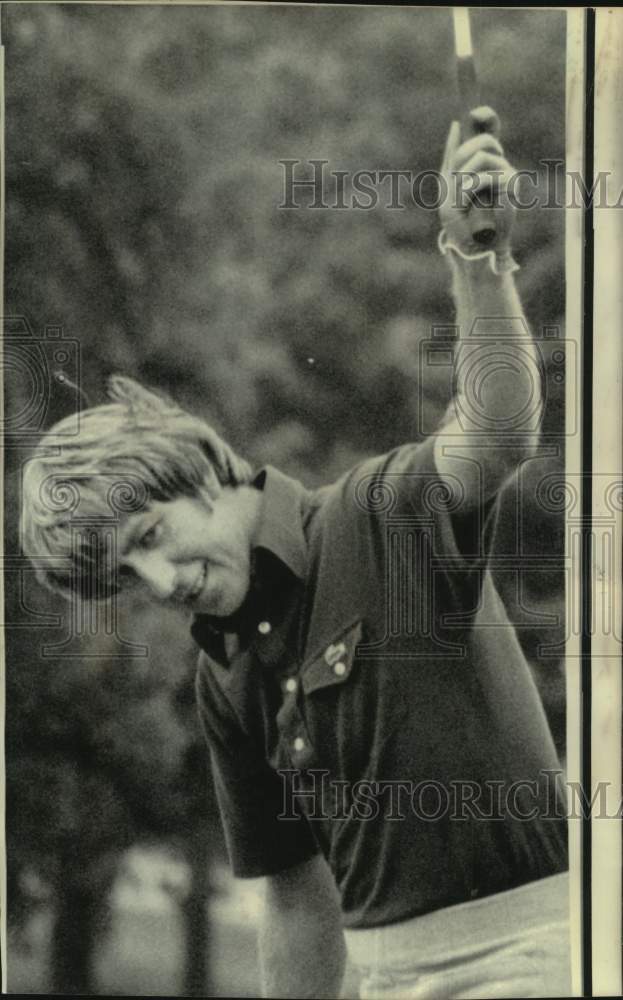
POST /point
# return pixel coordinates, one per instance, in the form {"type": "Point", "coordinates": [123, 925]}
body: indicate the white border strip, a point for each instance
{"type": "Point", "coordinates": [607, 566]}
{"type": "Point", "coordinates": [574, 232]}
{"type": "Point", "coordinates": [3, 861]}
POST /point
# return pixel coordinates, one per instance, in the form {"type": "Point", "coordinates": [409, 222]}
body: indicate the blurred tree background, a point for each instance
{"type": "Point", "coordinates": [143, 183]}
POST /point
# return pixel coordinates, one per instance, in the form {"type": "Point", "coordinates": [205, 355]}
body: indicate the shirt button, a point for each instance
{"type": "Point", "coordinates": [299, 744]}
{"type": "Point", "coordinates": [291, 684]}
{"type": "Point", "coordinates": [339, 669]}
{"type": "Point", "coordinates": [264, 628]}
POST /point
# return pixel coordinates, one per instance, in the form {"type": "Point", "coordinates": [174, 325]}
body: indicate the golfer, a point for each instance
{"type": "Point", "coordinates": [379, 750]}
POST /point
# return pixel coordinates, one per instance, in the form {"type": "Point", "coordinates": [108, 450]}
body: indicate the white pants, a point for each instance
{"type": "Point", "coordinates": [512, 944]}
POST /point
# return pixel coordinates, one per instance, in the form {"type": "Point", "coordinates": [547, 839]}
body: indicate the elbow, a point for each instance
{"type": "Point", "coordinates": [509, 458]}
{"type": "Point", "coordinates": [517, 439]}
{"type": "Point", "coordinates": [526, 447]}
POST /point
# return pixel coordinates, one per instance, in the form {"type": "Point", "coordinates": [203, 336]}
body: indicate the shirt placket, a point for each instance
{"type": "Point", "coordinates": [274, 652]}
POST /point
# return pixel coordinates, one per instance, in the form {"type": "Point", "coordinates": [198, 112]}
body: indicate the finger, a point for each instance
{"type": "Point", "coordinates": [483, 160]}
{"type": "Point", "coordinates": [452, 144]}
{"type": "Point", "coordinates": [487, 180]}
{"type": "Point", "coordinates": [486, 143]}
{"type": "Point", "coordinates": [484, 119]}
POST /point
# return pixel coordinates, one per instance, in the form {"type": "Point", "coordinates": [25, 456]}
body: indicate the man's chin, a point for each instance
{"type": "Point", "coordinates": [222, 605]}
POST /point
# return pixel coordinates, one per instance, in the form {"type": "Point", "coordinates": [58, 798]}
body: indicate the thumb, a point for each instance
{"type": "Point", "coordinates": [484, 119]}
{"type": "Point", "coordinates": [452, 144]}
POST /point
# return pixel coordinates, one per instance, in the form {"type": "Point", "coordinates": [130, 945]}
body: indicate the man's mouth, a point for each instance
{"type": "Point", "coordinates": [199, 584]}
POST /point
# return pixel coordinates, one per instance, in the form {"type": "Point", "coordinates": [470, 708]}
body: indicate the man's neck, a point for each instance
{"type": "Point", "coordinates": [248, 503]}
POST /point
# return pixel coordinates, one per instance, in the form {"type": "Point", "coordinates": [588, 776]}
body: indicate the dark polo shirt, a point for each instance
{"type": "Point", "coordinates": [371, 700]}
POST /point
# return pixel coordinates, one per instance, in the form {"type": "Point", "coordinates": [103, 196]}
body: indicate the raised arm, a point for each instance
{"type": "Point", "coordinates": [302, 952]}
{"type": "Point", "coordinates": [494, 416]}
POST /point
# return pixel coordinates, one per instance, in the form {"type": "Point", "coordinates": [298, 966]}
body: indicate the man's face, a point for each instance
{"type": "Point", "coordinates": [191, 552]}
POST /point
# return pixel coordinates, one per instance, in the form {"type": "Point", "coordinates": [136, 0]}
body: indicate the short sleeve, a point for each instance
{"type": "Point", "coordinates": [250, 795]}
{"type": "Point", "coordinates": [404, 487]}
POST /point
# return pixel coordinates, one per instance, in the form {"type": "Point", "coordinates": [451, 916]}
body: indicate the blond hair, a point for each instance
{"type": "Point", "coordinates": [139, 448]}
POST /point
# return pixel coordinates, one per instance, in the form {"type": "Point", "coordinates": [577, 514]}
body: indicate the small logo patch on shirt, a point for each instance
{"type": "Point", "coordinates": [334, 653]}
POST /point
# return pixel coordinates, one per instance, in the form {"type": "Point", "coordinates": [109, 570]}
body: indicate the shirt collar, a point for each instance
{"type": "Point", "coordinates": [280, 528]}
{"type": "Point", "coordinates": [279, 532]}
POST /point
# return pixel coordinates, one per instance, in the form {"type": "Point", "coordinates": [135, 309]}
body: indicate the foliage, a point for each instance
{"type": "Point", "coordinates": [143, 183]}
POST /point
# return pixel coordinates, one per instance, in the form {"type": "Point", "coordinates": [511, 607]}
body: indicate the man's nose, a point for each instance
{"type": "Point", "coordinates": [157, 573]}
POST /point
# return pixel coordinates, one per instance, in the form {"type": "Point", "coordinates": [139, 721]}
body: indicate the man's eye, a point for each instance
{"type": "Point", "coordinates": [150, 536]}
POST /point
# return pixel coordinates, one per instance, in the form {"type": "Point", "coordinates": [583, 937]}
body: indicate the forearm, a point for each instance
{"type": "Point", "coordinates": [492, 423]}
{"type": "Point", "coordinates": [477, 291]}
{"type": "Point", "coordinates": [302, 951]}
{"type": "Point", "coordinates": [302, 954]}
{"type": "Point", "coordinates": [498, 383]}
